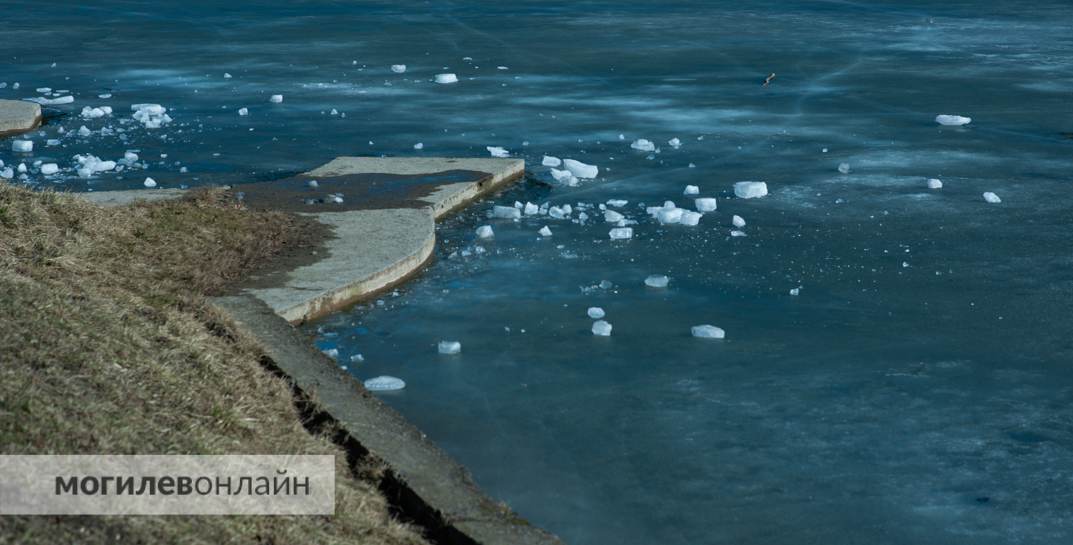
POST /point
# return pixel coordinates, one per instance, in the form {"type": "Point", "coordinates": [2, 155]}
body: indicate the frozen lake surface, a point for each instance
{"type": "Point", "coordinates": [917, 389]}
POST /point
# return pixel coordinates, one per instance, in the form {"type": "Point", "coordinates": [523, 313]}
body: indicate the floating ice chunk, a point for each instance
{"type": "Point", "coordinates": [550, 161]}
{"type": "Point", "coordinates": [449, 347]}
{"type": "Point", "coordinates": [691, 190]}
{"type": "Point", "coordinates": [49, 168]}
{"type": "Point", "coordinates": [446, 78]}
{"type": "Point", "coordinates": [149, 182]}
{"type": "Point", "coordinates": [84, 131]}
{"type": "Point", "coordinates": [621, 233]}
{"type": "Point", "coordinates": [705, 204]}
{"type": "Point", "coordinates": [795, 291]}
{"type": "Point", "coordinates": [506, 212]}
{"type": "Point", "coordinates": [843, 168]}
{"type": "Point", "coordinates": [384, 384]}
{"type": "Point", "coordinates": [737, 221]}
{"type": "Point", "coordinates": [88, 165]}
{"type": "Point", "coordinates": [22, 146]}
{"type": "Point", "coordinates": [736, 233]}
{"type": "Point", "coordinates": [21, 168]}
{"type": "Point", "coordinates": [617, 203]}
{"type": "Point", "coordinates": [94, 113]}
{"type": "Point", "coordinates": [531, 209]}
{"type": "Point", "coordinates": [657, 281]}
{"type": "Point", "coordinates": [690, 218]}
{"type": "Point", "coordinates": [668, 216]}
{"type": "Point", "coordinates": [357, 358]}
{"type": "Point", "coordinates": [707, 332]}
{"type": "Point", "coordinates": [750, 190]}
{"type": "Point", "coordinates": [545, 231]}
{"type": "Point", "coordinates": [674, 143]}
{"type": "Point", "coordinates": [610, 216]}
{"type": "Point", "coordinates": [52, 101]}
{"type": "Point", "coordinates": [398, 68]}
{"type": "Point", "coordinates": [581, 170]}
{"type": "Point", "coordinates": [152, 116]}
{"type": "Point", "coordinates": [227, 76]}
{"type": "Point", "coordinates": [564, 176]}
{"type": "Point", "coordinates": [992, 198]}
{"type": "Point", "coordinates": [596, 313]}
{"type": "Point", "coordinates": [419, 146]}
{"type": "Point", "coordinates": [332, 353]}
{"type": "Point", "coordinates": [243, 111]}
{"type": "Point", "coordinates": [485, 231]}
{"type": "Point", "coordinates": [276, 99]}
{"type": "Point", "coordinates": [497, 151]}
{"type": "Point", "coordinates": [643, 145]}
{"type": "Point", "coordinates": [952, 120]}
{"type": "Point", "coordinates": [52, 142]}
{"type": "Point", "coordinates": [935, 183]}
{"type": "Point", "coordinates": [7, 173]}
{"type": "Point", "coordinates": [601, 328]}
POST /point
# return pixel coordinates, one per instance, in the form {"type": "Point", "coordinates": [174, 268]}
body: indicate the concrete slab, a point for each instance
{"type": "Point", "coordinates": [18, 116]}
{"type": "Point", "coordinates": [441, 483]}
{"type": "Point", "coordinates": [120, 198]}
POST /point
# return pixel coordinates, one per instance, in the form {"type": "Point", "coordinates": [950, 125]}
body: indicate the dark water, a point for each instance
{"type": "Point", "coordinates": [916, 391]}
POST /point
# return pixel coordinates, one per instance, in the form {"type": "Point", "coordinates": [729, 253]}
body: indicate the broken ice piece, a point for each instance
{"type": "Point", "coordinates": [690, 218]}
{"type": "Point", "coordinates": [485, 231]}
{"type": "Point", "coordinates": [384, 384]}
{"type": "Point", "coordinates": [935, 183]}
{"type": "Point", "coordinates": [276, 99]}
{"type": "Point", "coordinates": [643, 145]}
{"type": "Point", "coordinates": [595, 313]}
{"type": "Point", "coordinates": [737, 221]}
{"type": "Point", "coordinates": [449, 347]}
{"type": "Point", "coordinates": [674, 143]}
{"type": "Point", "coordinates": [544, 231]}
{"type": "Point", "coordinates": [843, 168]}
{"type": "Point", "coordinates": [581, 170]}
{"type": "Point", "coordinates": [419, 146]}
{"type": "Point", "coordinates": [657, 281]}
{"type": "Point", "coordinates": [398, 68]}
{"type": "Point", "coordinates": [795, 291]}
{"type": "Point", "coordinates": [446, 78]}
{"type": "Point", "coordinates": [49, 168]}
{"type": "Point", "coordinates": [691, 190]}
{"type": "Point", "coordinates": [705, 204]}
{"type": "Point", "coordinates": [550, 161]}
{"type": "Point", "coordinates": [610, 216]}
{"type": "Point", "coordinates": [149, 182]}
{"type": "Point", "coordinates": [243, 111]}
{"type": "Point", "coordinates": [952, 120]}
{"type": "Point", "coordinates": [601, 328]}
{"type": "Point", "coordinates": [736, 233]}
{"type": "Point", "coordinates": [506, 212]}
{"type": "Point", "coordinates": [707, 332]}
{"type": "Point", "coordinates": [22, 146]}
{"type": "Point", "coordinates": [621, 233]}
{"type": "Point", "coordinates": [669, 215]}
{"type": "Point", "coordinates": [992, 198]}
{"type": "Point", "coordinates": [497, 151]}
{"type": "Point", "coordinates": [750, 190]}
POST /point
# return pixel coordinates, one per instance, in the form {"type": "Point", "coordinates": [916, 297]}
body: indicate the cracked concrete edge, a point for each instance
{"type": "Point", "coordinates": [19, 116]}
{"type": "Point", "coordinates": [442, 483]}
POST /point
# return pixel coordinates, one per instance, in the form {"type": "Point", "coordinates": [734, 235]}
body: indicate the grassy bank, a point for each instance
{"type": "Point", "coordinates": [107, 346]}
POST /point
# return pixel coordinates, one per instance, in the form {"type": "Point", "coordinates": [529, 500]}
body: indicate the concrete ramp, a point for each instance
{"type": "Point", "coordinates": [18, 116]}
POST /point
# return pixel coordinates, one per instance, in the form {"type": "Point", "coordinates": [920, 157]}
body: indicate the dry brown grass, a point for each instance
{"type": "Point", "coordinates": [105, 347]}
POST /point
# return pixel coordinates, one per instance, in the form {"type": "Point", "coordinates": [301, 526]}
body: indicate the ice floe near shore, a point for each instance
{"type": "Point", "coordinates": [384, 384]}
{"type": "Point", "coordinates": [952, 120]}
{"type": "Point", "coordinates": [750, 190]}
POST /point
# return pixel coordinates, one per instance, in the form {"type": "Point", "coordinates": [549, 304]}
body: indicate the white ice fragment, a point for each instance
{"type": "Point", "coordinates": [952, 120]}
{"type": "Point", "coordinates": [581, 170]}
{"type": "Point", "coordinates": [657, 281]}
{"type": "Point", "coordinates": [276, 99]}
{"type": "Point", "coordinates": [621, 233]}
{"type": "Point", "coordinates": [384, 384]}
{"type": "Point", "coordinates": [531, 209]}
{"type": "Point", "coordinates": [545, 231]}
{"type": "Point", "coordinates": [446, 78]}
{"type": "Point", "coordinates": [84, 131]}
{"type": "Point", "coordinates": [643, 145]}
{"type": "Point", "coordinates": [497, 151]}
{"type": "Point", "coordinates": [736, 233]}
{"type": "Point", "coordinates": [737, 221]}
{"type": "Point", "coordinates": [7, 173]}
{"type": "Point", "coordinates": [449, 347]}
{"type": "Point", "coordinates": [94, 113]}
{"type": "Point", "coordinates": [705, 204]}
{"type": "Point", "coordinates": [485, 231]}
{"type": "Point", "coordinates": [227, 76]}
{"type": "Point", "coordinates": [795, 291]}
{"type": "Point", "coordinates": [617, 203]}
{"type": "Point", "coordinates": [332, 353]}
{"type": "Point", "coordinates": [506, 212]}
{"type": "Point", "coordinates": [419, 146]}
{"type": "Point", "coordinates": [669, 215]}
{"type": "Point", "coordinates": [243, 111]}
{"type": "Point", "coordinates": [750, 190]}
{"type": "Point", "coordinates": [601, 328]}
{"type": "Point", "coordinates": [149, 182]}
{"type": "Point", "coordinates": [22, 146]}
{"type": "Point", "coordinates": [691, 190]}
{"type": "Point", "coordinates": [690, 218]}
{"type": "Point", "coordinates": [843, 168]}
{"type": "Point", "coordinates": [674, 143]}
{"type": "Point", "coordinates": [550, 161]}
{"type": "Point", "coordinates": [49, 168]}
{"type": "Point", "coordinates": [992, 198]}
{"type": "Point", "coordinates": [398, 68]}
{"type": "Point", "coordinates": [610, 216]}
{"type": "Point", "coordinates": [707, 332]}
{"type": "Point", "coordinates": [152, 116]}
{"type": "Point", "coordinates": [935, 183]}
{"type": "Point", "coordinates": [52, 101]}
{"type": "Point", "coordinates": [596, 313]}
{"type": "Point", "coordinates": [564, 176]}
